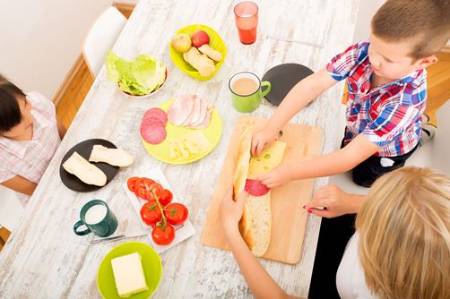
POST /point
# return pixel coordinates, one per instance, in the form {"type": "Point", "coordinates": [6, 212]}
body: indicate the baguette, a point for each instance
{"type": "Point", "coordinates": [256, 223]}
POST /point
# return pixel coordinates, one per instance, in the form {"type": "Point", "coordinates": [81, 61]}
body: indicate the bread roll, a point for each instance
{"type": "Point", "coordinates": [112, 156]}
{"type": "Point", "coordinates": [85, 171]}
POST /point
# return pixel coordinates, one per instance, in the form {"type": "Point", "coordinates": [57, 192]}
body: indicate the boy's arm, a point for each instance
{"type": "Point", "coordinates": [298, 97]}
{"type": "Point", "coordinates": [20, 184]}
{"type": "Point", "coordinates": [358, 150]}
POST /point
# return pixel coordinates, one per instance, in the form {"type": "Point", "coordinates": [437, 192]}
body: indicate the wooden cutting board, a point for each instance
{"type": "Point", "coordinates": [288, 216]}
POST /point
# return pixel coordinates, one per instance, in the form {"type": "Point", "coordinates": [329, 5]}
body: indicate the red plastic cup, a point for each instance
{"type": "Point", "coordinates": [246, 14]}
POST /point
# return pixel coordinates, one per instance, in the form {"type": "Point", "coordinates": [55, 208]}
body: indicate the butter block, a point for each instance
{"type": "Point", "coordinates": [129, 274]}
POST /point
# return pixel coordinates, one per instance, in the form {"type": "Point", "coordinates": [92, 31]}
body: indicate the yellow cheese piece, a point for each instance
{"type": "Point", "coordinates": [270, 158]}
{"type": "Point", "coordinates": [196, 142]}
{"type": "Point", "coordinates": [128, 274]}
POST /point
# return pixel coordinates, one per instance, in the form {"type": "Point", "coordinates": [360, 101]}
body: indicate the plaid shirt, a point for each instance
{"type": "Point", "coordinates": [30, 158]}
{"type": "Point", "coordinates": [388, 115]}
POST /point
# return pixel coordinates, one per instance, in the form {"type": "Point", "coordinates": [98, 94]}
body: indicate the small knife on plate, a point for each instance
{"type": "Point", "coordinates": [118, 237]}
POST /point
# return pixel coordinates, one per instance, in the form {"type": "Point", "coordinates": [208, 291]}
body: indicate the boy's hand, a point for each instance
{"type": "Point", "coordinates": [335, 201]}
{"type": "Point", "coordinates": [231, 211]}
{"type": "Point", "coordinates": [279, 176]}
{"type": "Point", "coordinates": [263, 138]}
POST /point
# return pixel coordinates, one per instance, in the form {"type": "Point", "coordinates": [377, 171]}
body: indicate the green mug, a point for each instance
{"type": "Point", "coordinates": [247, 90]}
{"type": "Point", "coordinates": [98, 219]}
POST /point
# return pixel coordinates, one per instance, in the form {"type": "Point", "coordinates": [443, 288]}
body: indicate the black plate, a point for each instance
{"type": "Point", "coordinates": [84, 149]}
{"type": "Point", "coordinates": [283, 77]}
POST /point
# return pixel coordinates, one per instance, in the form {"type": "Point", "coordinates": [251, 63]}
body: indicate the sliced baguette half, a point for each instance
{"type": "Point", "coordinates": [256, 223]}
{"type": "Point", "coordinates": [85, 171]}
{"type": "Point", "coordinates": [112, 156]}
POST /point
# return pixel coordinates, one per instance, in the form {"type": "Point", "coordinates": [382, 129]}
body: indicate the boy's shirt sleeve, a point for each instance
{"type": "Point", "coordinates": [342, 65]}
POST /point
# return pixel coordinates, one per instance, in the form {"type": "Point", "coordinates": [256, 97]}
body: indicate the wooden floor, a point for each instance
{"type": "Point", "coordinates": [438, 85]}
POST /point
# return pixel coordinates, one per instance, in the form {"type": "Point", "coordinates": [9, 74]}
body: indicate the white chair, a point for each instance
{"type": "Point", "coordinates": [101, 38]}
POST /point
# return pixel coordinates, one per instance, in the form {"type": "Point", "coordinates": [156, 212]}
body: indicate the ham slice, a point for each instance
{"type": "Point", "coordinates": [181, 109]}
{"type": "Point", "coordinates": [190, 111]}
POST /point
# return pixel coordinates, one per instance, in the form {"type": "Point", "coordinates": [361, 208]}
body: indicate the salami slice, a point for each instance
{"type": "Point", "coordinates": [153, 134]}
{"type": "Point", "coordinates": [156, 113]}
{"type": "Point", "coordinates": [255, 187]}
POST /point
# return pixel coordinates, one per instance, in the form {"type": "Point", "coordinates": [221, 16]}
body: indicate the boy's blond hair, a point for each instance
{"type": "Point", "coordinates": [404, 231]}
{"type": "Point", "coordinates": [425, 22]}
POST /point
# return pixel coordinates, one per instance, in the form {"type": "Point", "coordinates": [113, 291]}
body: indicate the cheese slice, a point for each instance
{"type": "Point", "coordinates": [270, 158]}
{"type": "Point", "coordinates": [112, 156]}
{"type": "Point", "coordinates": [85, 171]}
{"type": "Point", "coordinates": [196, 142]}
{"type": "Point", "coordinates": [129, 274]}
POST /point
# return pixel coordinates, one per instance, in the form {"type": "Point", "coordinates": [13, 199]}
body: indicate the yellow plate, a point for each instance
{"type": "Point", "coordinates": [215, 41]}
{"type": "Point", "coordinates": [161, 151]}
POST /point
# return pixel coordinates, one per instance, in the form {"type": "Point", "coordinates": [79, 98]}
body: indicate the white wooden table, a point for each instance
{"type": "Point", "coordinates": [45, 259]}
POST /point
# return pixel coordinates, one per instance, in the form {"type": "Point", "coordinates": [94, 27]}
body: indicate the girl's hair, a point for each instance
{"type": "Point", "coordinates": [404, 229]}
{"type": "Point", "coordinates": [10, 114]}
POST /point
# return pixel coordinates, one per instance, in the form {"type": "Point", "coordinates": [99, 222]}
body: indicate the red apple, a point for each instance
{"type": "Point", "coordinates": [200, 38]}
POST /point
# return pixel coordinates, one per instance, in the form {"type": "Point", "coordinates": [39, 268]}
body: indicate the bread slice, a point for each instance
{"type": "Point", "coordinates": [112, 156]}
{"type": "Point", "coordinates": [85, 171]}
{"type": "Point", "coordinates": [256, 223]}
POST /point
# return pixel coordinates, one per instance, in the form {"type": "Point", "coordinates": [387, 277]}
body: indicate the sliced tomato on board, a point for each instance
{"type": "Point", "coordinates": [163, 234]}
{"type": "Point", "coordinates": [132, 182]}
{"type": "Point", "coordinates": [176, 213]}
{"type": "Point", "coordinates": [255, 187]}
{"type": "Point", "coordinates": [151, 213]}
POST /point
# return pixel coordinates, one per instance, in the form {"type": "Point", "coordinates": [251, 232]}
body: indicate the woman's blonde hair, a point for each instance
{"type": "Point", "coordinates": [404, 229]}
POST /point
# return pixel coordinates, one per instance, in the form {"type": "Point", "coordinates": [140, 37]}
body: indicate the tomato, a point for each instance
{"type": "Point", "coordinates": [176, 213]}
{"type": "Point", "coordinates": [165, 197]}
{"type": "Point", "coordinates": [163, 234]}
{"type": "Point", "coordinates": [150, 212]}
{"type": "Point", "coordinates": [142, 192]}
{"type": "Point", "coordinates": [132, 182]}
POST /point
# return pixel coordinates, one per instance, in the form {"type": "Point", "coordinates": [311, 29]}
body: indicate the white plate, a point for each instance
{"type": "Point", "coordinates": [183, 232]}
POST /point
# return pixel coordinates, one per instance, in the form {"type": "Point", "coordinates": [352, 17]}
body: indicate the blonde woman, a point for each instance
{"type": "Point", "coordinates": [401, 248]}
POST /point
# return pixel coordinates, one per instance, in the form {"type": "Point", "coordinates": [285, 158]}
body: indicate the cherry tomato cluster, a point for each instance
{"type": "Point", "coordinates": [158, 211]}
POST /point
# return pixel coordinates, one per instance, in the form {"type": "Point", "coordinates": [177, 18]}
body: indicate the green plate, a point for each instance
{"type": "Point", "coordinates": [161, 151]}
{"type": "Point", "coordinates": [215, 42]}
{"type": "Point", "coordinates": [151, 262]}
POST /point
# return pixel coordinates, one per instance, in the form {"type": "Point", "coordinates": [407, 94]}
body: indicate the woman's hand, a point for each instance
{"type": "Point", "coordinates": [262, 139]}
{"type": "Point", "coordinates": [231, 212]}
{"type": "Point", "coordinates": [331, 201]}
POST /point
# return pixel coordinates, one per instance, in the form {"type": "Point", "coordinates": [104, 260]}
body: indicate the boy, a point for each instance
{"type": "Point", "coordinates": [386, 80]}
{"type": "Point", "coordinates": [29, 136]}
